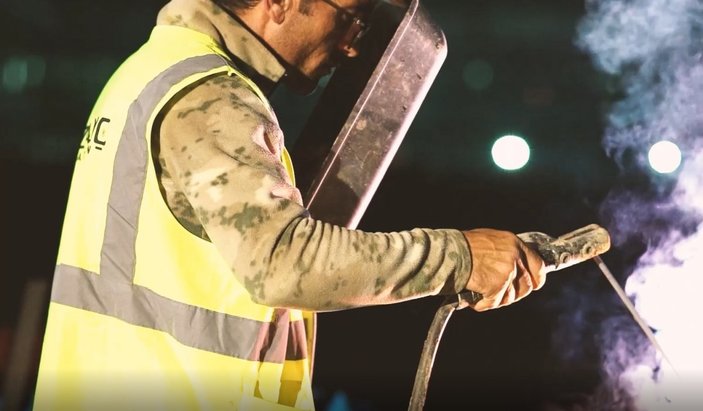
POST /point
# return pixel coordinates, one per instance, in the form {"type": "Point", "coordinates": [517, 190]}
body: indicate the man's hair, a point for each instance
{"type": "Point", "coordinates": [239, 5]}
{"type": "Point", "coordinates": [304, 7]}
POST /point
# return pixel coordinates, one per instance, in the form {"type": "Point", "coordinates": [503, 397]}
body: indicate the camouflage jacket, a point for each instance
{"type": "Point", "coordinates": [223, 179]}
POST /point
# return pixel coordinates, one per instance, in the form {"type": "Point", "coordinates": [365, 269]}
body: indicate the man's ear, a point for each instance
{"type": "Point", "coordinates": [277, 9]}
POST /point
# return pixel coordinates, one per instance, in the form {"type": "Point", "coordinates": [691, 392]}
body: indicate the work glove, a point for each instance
{"type": "Point", "coordinates": [504, 269]}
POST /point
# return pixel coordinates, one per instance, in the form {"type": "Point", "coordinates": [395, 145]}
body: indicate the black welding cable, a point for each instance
{"type": "Point", "coordinates": [429, 350]}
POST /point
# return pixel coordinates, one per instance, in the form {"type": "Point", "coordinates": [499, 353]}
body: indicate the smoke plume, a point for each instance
{"type": "Point", "coordinates": [655, 50]}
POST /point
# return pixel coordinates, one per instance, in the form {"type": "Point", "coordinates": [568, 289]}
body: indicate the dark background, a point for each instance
{"type": "Point", "coordinates": [540, 354]}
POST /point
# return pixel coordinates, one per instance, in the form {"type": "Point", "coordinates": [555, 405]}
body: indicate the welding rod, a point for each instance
{"type": "Point", "coordinates": [633, 311]}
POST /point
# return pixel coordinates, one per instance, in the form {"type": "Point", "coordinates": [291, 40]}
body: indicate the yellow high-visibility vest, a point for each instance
{"type": "Point", "coordinates": [145, 315]}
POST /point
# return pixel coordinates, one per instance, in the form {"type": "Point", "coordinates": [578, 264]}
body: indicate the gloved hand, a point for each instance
{"type": "Point", "coordinates": [504, 269]}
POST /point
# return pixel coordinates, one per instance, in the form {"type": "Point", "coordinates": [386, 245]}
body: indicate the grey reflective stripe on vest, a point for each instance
{"type": "Point", "coordinates": [129, 172]}
{"type": "Point", "coordinates": [191, 326]}
{"type": "Point", "coordinates": [113, 292]}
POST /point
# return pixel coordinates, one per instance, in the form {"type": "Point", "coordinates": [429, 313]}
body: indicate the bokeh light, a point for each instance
{"type": "Point", "coordinates": [14, 75]}
{"type": "Point", "coordinates": [20, 72]}
{"type": "Point", "coordinates": [664, 157]}
{"type": "Point", "coordinates": [510, 152]}
{"type": "Point", "coordinates": [477, 75]}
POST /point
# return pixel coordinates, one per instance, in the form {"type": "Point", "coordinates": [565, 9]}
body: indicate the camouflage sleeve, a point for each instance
{"type": "Point", "coordinates": [222, 177]}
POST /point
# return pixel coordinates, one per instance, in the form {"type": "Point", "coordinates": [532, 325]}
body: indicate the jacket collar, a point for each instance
{"type": "Point", "coordinates": [251, 56]}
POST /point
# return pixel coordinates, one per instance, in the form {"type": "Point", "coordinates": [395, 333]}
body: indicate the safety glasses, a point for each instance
{"type": "Point", "coordinates": [357, 26]}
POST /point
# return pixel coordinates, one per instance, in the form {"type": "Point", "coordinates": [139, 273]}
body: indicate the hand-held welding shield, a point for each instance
{"type": "Point", "coordinates": [365, 111]}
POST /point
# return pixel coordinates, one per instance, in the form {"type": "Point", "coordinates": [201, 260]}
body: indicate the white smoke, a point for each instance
{"type": "Point", "coordinates": [655, 49]}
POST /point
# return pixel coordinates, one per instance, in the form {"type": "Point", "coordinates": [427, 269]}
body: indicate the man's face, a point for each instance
{"type": "Point", "coordinates": [319, 34]}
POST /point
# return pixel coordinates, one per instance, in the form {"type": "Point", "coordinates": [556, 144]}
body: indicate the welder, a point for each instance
{"type": "Point", "coordinates": [189, 271]}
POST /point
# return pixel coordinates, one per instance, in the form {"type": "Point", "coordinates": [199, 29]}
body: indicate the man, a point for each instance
{"type": "Point", "coordinates": [188, 269]}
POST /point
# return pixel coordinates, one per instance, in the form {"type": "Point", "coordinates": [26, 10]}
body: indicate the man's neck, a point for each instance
{"type": "Point", "coordinates": [249, 52]}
